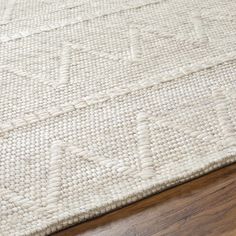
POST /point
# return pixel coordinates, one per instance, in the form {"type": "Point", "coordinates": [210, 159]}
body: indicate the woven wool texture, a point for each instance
{"type": "Point", "coordinates": [104, 102]}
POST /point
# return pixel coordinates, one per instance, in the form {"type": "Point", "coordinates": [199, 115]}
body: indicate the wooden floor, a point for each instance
{"type": "Point", "coordinates": [202, 207]}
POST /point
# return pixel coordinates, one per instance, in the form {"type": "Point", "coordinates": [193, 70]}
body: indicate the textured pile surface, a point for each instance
{"type": "Point", "coordinates": [104, 102]}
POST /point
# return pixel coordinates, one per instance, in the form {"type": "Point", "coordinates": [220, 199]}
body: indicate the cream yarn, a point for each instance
{"type": "Point", "coordinates": [105, 102]}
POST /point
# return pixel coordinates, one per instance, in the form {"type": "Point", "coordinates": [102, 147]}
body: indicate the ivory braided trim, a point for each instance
{"type": "Point", "coordinates": [64, 23]}
{"type": "Point", "coordinates": [106, 102]}
{"type": "Point", "coordinates": [113, 93]}
{"type": "Point", "coordinates": [71, 218]}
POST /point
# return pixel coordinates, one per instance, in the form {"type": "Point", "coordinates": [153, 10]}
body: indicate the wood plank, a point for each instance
{"type": "Point", "coordinates": [205, 206]}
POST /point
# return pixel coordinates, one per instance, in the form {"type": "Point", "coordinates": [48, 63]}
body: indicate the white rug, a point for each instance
{"type": "Point", "coordinates": [105, 102]}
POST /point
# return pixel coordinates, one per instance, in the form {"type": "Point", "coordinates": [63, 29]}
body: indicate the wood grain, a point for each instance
{"type": "Point", "coordinates": [203, 207]}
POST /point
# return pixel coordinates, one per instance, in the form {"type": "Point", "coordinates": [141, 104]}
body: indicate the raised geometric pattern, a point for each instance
{"type": "Point", "coordinates": [105, 102]}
